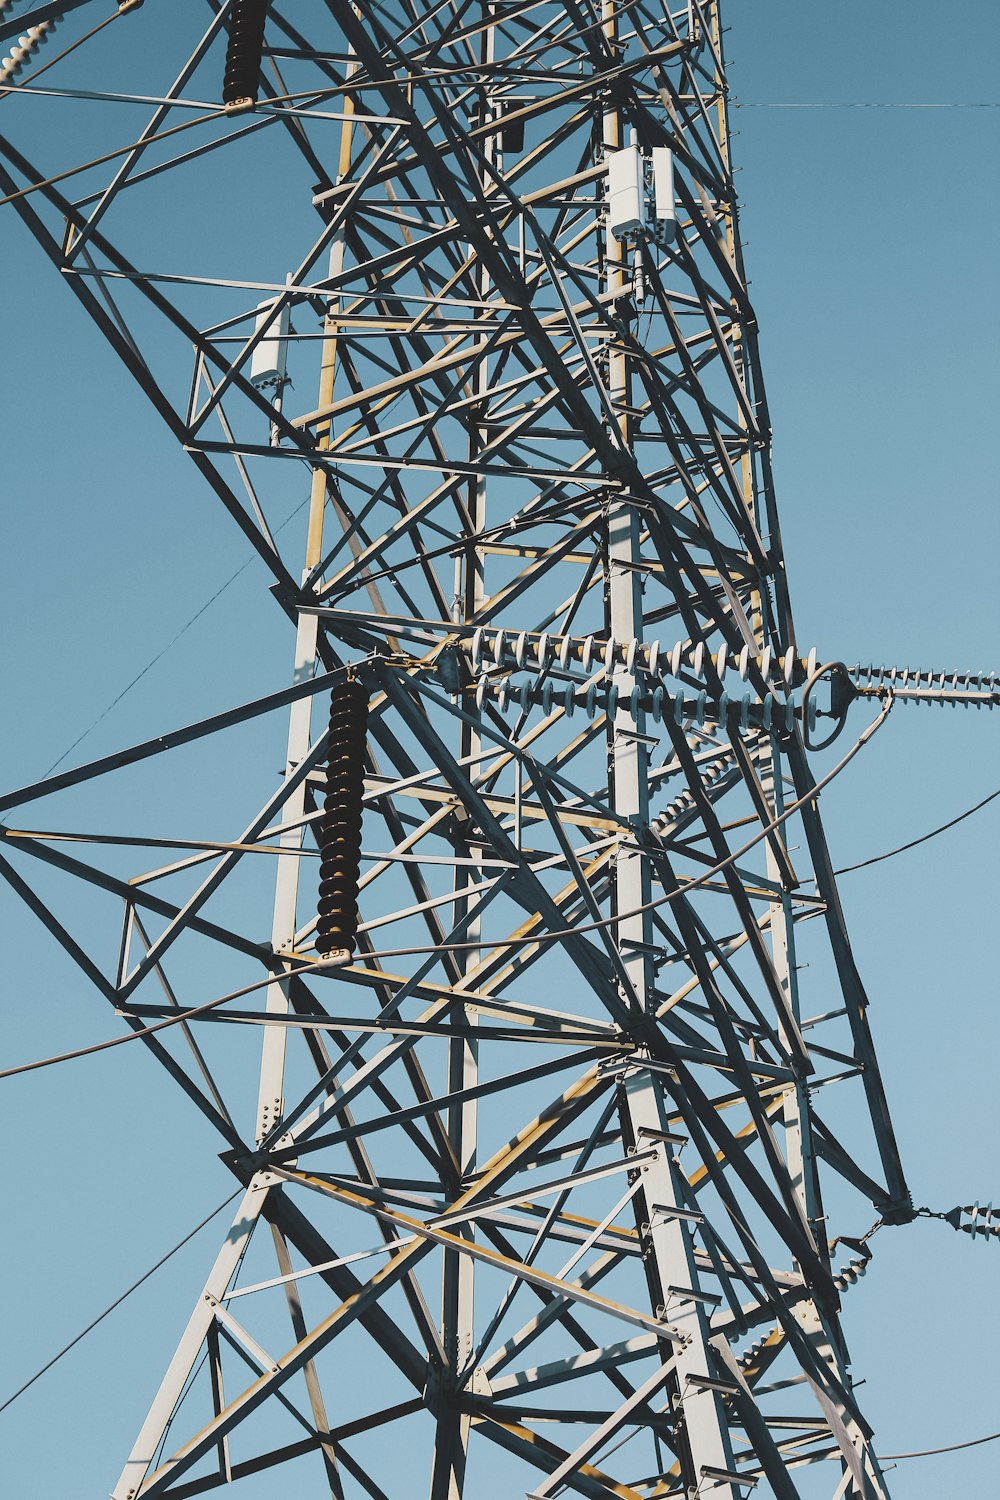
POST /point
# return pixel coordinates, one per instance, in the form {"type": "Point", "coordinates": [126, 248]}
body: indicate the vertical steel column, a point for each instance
{"type": "Point", "coordinates": [458, 1270]}
{"type": "Point", "coordinates": [199, 1326]}
{"type": "Point", "coordinates": [270, 1100]}
{"type": "Point", "coordinates": [668, 1253]}
{"type": "Point", "coordinates": [270, 1103]}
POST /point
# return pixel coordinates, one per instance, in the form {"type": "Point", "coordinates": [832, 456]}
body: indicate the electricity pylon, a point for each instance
{"type": "Point", "coordinates": [540, 1180]}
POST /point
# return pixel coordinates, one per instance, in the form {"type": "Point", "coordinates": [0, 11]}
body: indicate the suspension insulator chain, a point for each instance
{"type": "Point", "coordinates": [246, 44]}
{"type": "Point", "coordinates": [340, 830]}
{"type": "Point", "coordinates": [983, 1220]}
{"type": "Point", "coordinates": [26, 47]}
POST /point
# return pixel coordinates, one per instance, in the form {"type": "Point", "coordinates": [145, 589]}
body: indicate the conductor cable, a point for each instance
{"type": "Point", "coordinates": [949, 1448]}
{"type": "Point", "coordinates": [902, 848]}
{"type": "Point", "coordinates": [174, 1020]}
{"type": "Point", "coordinates": [118, 1301]}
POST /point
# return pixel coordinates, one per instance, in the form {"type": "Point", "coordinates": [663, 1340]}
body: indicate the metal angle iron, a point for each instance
{"type": "Point", "coordinates": [530, 1129]}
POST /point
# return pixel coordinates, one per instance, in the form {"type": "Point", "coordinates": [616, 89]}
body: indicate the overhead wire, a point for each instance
{"type": "Point", "coordinates": [684, 890]}
{"type": "Point", "coordinates": [196, 1369]}
{"type": "Point", "coordinates": [148, 667]}
{"type": "Point", "coordinates": [902, 848]}
{"type": "Point", "coordinates": [949, 1448]}
{"type": "Point", "coordinates": [107, 156]}
{"type": "Point", "coordinates": [539, 938]}
{"type": "Point", "coordinates": [118, 1301]}
{"type": "Point", "coordinates": [174, 1020]}
{"type": "Point", "coordinates": [171, 643]}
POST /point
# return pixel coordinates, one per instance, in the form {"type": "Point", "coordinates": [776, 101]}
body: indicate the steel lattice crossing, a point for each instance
{"type": "Point", "coordinates": [542, 1185]}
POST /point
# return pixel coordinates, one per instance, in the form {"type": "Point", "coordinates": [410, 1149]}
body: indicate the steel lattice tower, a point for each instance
{"type": "Point", "coordinates": [538, 1183]}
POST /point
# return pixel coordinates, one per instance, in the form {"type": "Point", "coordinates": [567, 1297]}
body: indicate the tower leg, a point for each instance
{"type": "Point", "coordinates": [202, 1319]}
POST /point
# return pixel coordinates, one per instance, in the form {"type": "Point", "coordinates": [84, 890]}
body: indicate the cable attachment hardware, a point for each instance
{"type": "Point", "coordinates": [340, 830]}
{"type": "Point", "coordinates": [842, 694]}
{"type": "Point", "coordinates": [241, 82]}
{"type": "Point", "coordinates": [983, 1220]}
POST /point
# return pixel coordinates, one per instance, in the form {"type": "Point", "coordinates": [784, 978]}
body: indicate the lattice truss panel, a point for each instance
{"type": "Point", "coordinates": [542, 1186]}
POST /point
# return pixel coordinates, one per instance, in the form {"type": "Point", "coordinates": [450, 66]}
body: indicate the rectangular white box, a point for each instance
{"type": "Point", "coordinates": [267, 362]}
{"type": "Point", "coordinates": [626, 198]}
{"type": "Point", "coordinates": [663, 189]}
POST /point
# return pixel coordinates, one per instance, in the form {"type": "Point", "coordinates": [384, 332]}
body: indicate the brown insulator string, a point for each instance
{"type": "Point", "coordinates": [243, 54]}
{"type": "Point", "coordinates": [340, 830]}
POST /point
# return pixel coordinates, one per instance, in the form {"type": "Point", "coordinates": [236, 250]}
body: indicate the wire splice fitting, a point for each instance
{"type": "Point", "coordinates": [241, 82]}
{"type": "Point", "coordinates": [340, 830]}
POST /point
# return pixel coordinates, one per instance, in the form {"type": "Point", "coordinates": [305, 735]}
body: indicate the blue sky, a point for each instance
{"type": "Point", "coordinates": [871, 242]}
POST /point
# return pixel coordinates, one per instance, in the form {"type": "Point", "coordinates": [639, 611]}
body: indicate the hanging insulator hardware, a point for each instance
{"type": "Point", "coordinates": [452, 670]}
{"type": "Point", "coordinates": [968, 689]}
{"type": "Point", "coordinates": [340, 829]}
{"type": "Point", "coordinates": [27, 46]}
{"type": "Point", "coordinates": [491, 648]}
{"type": "Point", "coordinates": [842, 694]}
{"type": "Point", "coordinates": [241, 83]}
{"type": "Point", "coordinates": [605, 697]}
{"type": "Point", "coordinates": [983, 1220]}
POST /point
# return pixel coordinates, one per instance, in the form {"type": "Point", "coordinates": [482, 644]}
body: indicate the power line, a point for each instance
{"type": "Point", "coordinates": [173, 642]}
{"type": "Point", "coordinates": [950, 1448]}
{"type": "Point", "coordinates": [148, 667]}
{"type": "Point", "coordinates": [118, 1301]}
{"type": "Point", "coordinates": [144, 1031]}
{"type": "Point", "coordinates": [603, 923]}
{"type": "Point", "coordinates": [877, 858]}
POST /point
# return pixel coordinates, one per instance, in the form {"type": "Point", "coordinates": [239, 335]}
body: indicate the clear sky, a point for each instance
{"type": "Point", "coordinates": [871, 242]}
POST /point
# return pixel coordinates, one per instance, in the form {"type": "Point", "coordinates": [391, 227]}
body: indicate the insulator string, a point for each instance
{"type": "Point", "coordinates": [241, 82]}
{"type": "Point", "coordinates": [340, 830]}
